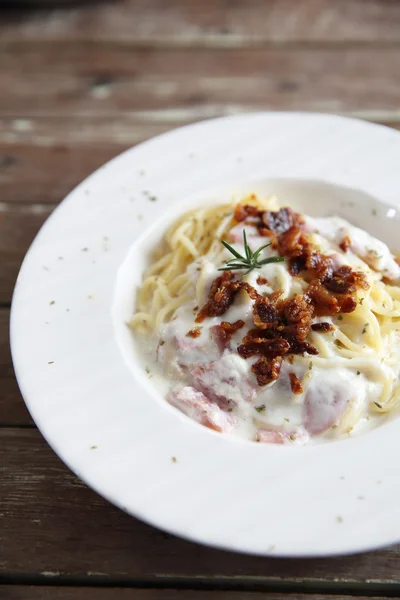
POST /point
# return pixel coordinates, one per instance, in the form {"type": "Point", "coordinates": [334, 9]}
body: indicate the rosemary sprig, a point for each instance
{"type": "Point", "coordinates": [250, 261]}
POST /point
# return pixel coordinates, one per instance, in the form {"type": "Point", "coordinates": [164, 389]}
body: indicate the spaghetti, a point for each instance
{"type": "Point", "coordinates": [346, 366]}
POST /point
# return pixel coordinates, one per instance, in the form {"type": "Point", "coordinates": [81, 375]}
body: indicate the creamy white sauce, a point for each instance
{"type": "Point", "coordinates": [217, 388]}
{"type": "Point", "coordinates": [374, 252]}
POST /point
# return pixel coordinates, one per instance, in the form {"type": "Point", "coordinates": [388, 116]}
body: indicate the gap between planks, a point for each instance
{"type": "Point", "coordinates": [206, 41]}
{"type": "Point", "coordinates": [19, 126]}
{"type": "Point", "coordinates": [19, 592]}
{"type": "Point", "coordinates": [334, 589]}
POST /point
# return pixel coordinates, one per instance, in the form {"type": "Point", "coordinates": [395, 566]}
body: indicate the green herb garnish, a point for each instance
{"type": "Point", "coordinates": [339, 344]}
{"type": "Point", "coordinates": [260, 408]}
{"type": "Point", "coordinates": [250, 261]}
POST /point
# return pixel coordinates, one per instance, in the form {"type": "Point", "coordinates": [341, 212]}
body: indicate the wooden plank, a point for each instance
{"type": "Point", "coordinates": [13, 412]}
{"type": "Point", "coordinates": [37, 174]}
{"type": "Point", "coordinates": [42, 163]}
{"type": "Point", "coordinates": [104, 80]}
{"type": "Point", "coordinates": [18, 227]}
{"type": "Point", "coordinates": [215, 23]}
{"type": "Point", "coordinates": [52, 523]}
{"type": "Point", "coordinates": [68, 139]}
{"type": "Point", "coordinates": [18, 592]}
{"type": "Point", "coordinates": [68, 133]}
{"type": "Point", "coordinates": [12, 407]}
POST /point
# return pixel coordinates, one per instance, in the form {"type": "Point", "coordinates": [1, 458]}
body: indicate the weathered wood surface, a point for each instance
{"type": "Point", "coordinates": [17, 230]}
{"type": "Point", "coordinates": [42, 165]}
{"type": "Point", "coordinates": [105, 79]}
{"type": "Point", "coordinates": [78, 86]}
{"type": "Point", "coordinates": [52, 523]}
{"type": "Point", "coordinates": [215, 23]}
{"type": "Point", "coordinates": [114, 593]}
{"type": "Point", "coordinates": [13, 411]}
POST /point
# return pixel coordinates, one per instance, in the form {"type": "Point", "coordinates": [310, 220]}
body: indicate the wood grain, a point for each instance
{"type": "Point", "coordinates": [43, 163]}
{"type": "Point", "coordinates": [52, 523]}
{"type": "Point", "coordinates": [79, 85]}
{"type": "Point", "coordinates": [215, 23]}
{"type": "Point", "coordinates": [12, 407]}
{"type": "Point", "coordinates": [87, 593]}
{"type": "Point", "coordinates": [107, 79]}
{"type": "Point", "coordinates": [18, 227]}
{"type": "Point", "coordinates": [33, 173]}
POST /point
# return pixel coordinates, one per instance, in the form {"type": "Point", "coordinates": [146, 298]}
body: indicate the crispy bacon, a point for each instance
{"type": "Point", "coordinates": [346, 281]}
{"type": "Point", "coordinates": [322, 327]}
{"type": "Point", "coordinates": [221, 295]}
{"type": "Point", "coordinates": [345, 243]}
{"type": "Point", "coordinates": [222, 333]}
{"type": "Point", "coordinates": [262, 280]}
{"type": "Point", "coordinates": [324, 302]}
{"type": "Point", "coordinates": [268, 348]}
{"type": "Point", "coordinates": [264, 232]}
{"type": "Point", "coordinates": [320, 266]}
{"type": "Point", "coordinates": [244, 211]}
{"type": "Point", "coordinates": [281, 220]}
{"type": "Point", "coordinates": [264, 313]}
{"type": "Point", "coordinates": [292, 243]}
{"type": "Point", "coordinates": [267, 371]}
{"type": "Point", "coordinates": [252, 292]}
{"type": "Point", "coordinates": [303, 348]}
{"type": "Point", "coordinates": [295, 384]}
{"type": "Point", "coordinates": [194, 333]}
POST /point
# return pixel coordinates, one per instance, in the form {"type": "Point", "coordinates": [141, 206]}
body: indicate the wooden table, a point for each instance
{"type": "Point", "coordinates": [77, 87]}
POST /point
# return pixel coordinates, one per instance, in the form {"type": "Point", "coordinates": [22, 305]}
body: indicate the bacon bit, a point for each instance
{"type": "Point", "coordinates": [264, 232]}
{"type": "Point", "coordinates": [324, 302]}
{"type": "Point", "coordinates": [346, 281]}
{"type": "Point", "coordinates": [320, 266]}
{"type": "Point", "coordinates": [322, 327]}
{"type": "Point", "coordinates": [298, 313]}
{"type": "Point", "coordinates": [222, 333]}
{"type": "Point", "coordinates": [244, 211]}
{"type": "Point", "coordinates": [345, 243]}
{"type": "Point", "coordinates": [264, 313]}
{"type": "Point", "coordinates": [268, 348]}
{"type": "Point", "coordinates": [267, 371]}
{"type": "Point", "coordinates": [194, 333]}
{"type": "Point", "coordinates": [252, 292]}
{"type": "Point", "coordinates": [347, 304]}
{"type": "Point", "coordinates": [293, 243]}
{"type": "Point", "coordinates": [262, 280]}
{"type": "Point", "coordinates": [281, 220]}
{"type": "Point", "coordinates": [296, 265]}
{"type": "Point", "coordinates": [303, 348]}
{"type": "Point", "coordinates": [221, 295]}
{"type": "Point", "coordinates": [231, 328]}
{"type": "Point", "coordinates": [295, 384]}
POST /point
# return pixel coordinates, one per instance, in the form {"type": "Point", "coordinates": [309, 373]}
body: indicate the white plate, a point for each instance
{"type": "Point", "coordinates": [113, 429]}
